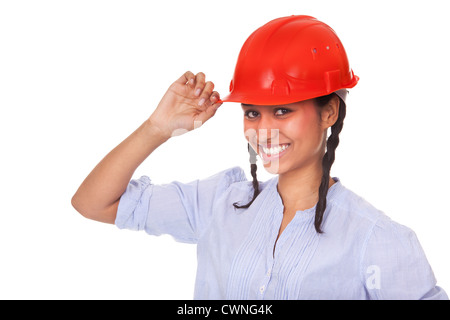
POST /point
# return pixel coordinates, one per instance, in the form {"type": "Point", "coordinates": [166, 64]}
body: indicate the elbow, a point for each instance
{"type": "Point", "coordinates": [77, 204]}
{"type": "Point", "coordinates": [107, 215]}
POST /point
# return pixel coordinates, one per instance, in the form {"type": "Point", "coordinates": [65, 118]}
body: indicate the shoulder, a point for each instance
{"type": "Point", "coordinates": [372, 227]}
{"type": "Point", "coordinates": [232, 183]}
{"type": "Point", "coordinates": [228, 176]}
{"type": "Point", "coordinates": [226, 180]}
{"type": "Point", "coordinates": [357, 215]}
{"type": "Point", "coordinates": [352, 208]}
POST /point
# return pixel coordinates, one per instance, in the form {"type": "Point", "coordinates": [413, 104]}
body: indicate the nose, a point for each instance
{"type": "Point", "coordinates": [268, 136]}
{"type": "Point", "coordinates": [267, 132]}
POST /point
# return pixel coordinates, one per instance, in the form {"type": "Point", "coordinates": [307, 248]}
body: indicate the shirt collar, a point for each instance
{"type": "Point", "coordinates": [333, 192]}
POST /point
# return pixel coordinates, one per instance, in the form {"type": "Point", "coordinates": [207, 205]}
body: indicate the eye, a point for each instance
{"type": "Point", "coordinates": [251, 114]}
{"type": "Point", "coordinates": [283, 111]}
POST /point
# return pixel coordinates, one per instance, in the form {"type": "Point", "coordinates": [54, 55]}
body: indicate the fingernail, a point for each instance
{"type": "Point", "coordinates": [202, 100]}
{"type": "Point", "coordinates": [197, 93]}
{"type": "Point", "coordinates": [191, 81]}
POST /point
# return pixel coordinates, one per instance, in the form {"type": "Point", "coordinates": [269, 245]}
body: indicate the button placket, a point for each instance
{"type": "Point", "coordinates": [265, 282]}
{"type": "Point", "coordinates": [276, 222]}
{"type": "Point", "coordinates": [262, 288]}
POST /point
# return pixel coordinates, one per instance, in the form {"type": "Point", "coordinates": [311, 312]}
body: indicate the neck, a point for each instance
{"type": "Point", "coordinates": [299, 188]}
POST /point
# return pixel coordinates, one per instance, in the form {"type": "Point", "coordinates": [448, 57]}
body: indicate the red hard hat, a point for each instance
{"type": "Point", "coordinates": [290, 59]}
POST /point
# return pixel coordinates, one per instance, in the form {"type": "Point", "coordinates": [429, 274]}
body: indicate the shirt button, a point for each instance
{"type": "Point", "coordinates": [261, 289]}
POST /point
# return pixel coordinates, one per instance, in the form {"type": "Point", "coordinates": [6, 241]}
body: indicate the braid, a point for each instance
{"type": "Point", "coordinates": [255, 182]}
{"type": "Point", "coordinates": [327, 162]}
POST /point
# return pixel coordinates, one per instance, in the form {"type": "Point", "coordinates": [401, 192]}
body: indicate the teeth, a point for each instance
{"type": "Point", "coordinates": [274, 150]}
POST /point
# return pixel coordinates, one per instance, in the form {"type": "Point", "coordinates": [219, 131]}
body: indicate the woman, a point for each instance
{"type": "Point", "coordinates": [299, 235]}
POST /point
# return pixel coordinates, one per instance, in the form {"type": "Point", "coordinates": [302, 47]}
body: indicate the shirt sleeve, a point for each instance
{"type": "Point", "coordinates": [182, 210]}
{"type": "Point", "coordinates": [394, 265]}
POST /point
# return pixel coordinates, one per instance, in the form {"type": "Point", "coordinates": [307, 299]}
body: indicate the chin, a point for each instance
{"type": "Point", "coordinates": [274, 167]}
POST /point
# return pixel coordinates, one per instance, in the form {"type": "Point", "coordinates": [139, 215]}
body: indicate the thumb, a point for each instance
{"type": "Point", "coordinates": [209, 112]}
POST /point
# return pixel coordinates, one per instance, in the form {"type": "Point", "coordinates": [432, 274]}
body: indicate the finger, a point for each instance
{"type": "Point", "coordinates": [208, 113]}
{"type": "Point", "coordinates": [199, 83]}
{"type": "Point", "coordinates": [215, 104]}
{"type": "Point", "coordinates": [209, 86]}
{"type": "Point", "coordinates": [215, 97]}
{"type": "Point", "coordinates": [187, 78]}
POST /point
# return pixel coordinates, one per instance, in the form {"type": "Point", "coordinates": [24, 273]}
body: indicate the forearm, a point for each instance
{"type": "Point", "coordinates": [189, 100]}
{"type": "Point", "coordinates": [100, 192]}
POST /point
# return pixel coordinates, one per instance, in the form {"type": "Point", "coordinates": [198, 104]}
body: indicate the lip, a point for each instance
{"type": "Point", "coordinates": [268, 158]}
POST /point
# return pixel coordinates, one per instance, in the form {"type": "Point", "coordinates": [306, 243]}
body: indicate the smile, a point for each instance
{"type": "Point", "coordinates": [272, 152]}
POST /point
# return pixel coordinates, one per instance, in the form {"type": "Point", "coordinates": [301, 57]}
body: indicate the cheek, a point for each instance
{"type": "Point", "coordinates": [250, 132]}
{"type": "Point", "coordinates": [302, 128]}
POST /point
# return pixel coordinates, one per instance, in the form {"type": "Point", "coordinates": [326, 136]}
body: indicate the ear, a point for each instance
{"type": "Point", "coordinates": [329, 114]}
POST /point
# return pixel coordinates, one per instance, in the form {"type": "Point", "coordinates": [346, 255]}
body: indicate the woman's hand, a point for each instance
{"type": "Point", "coordinates": [188, 103]}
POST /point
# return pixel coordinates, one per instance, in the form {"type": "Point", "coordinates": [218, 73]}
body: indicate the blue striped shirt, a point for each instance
{"type": "Point", "coordinates": [362, 254]}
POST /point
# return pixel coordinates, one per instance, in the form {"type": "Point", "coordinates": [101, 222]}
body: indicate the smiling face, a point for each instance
{"type": "Point", "coordinates": [287, 137]}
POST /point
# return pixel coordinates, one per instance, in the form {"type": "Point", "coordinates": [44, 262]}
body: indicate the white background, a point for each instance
{"type": "Point", "coordinates": [77, 77]}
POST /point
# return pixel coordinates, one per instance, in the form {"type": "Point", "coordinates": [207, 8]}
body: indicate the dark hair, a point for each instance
{"type": "Point", "coordinates": [327, 161]}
